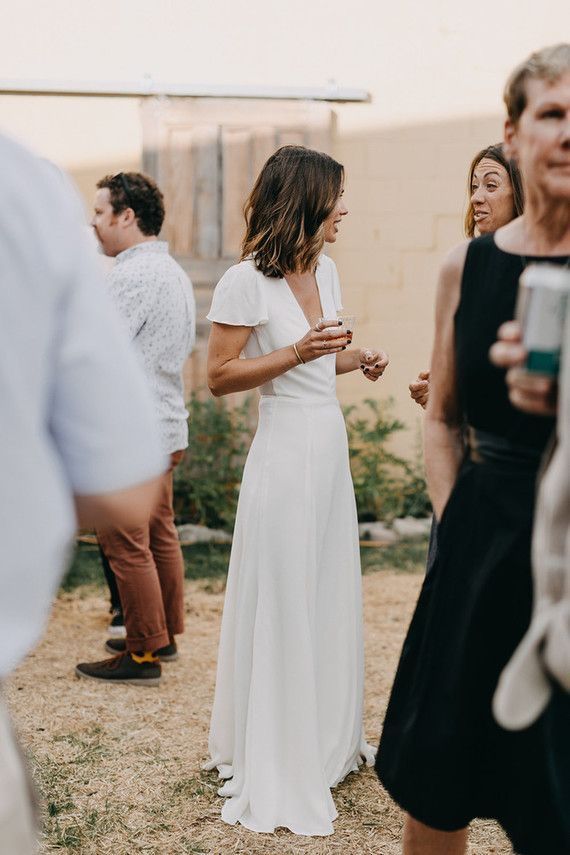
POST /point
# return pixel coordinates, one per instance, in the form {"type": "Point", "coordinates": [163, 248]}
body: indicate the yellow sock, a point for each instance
{"type": "Point", "coordinates": [147, 656]}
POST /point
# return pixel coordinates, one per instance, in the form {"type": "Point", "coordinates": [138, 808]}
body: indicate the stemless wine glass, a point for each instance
{"type": "Point", "coordinates": [346, 325]}
{"type": "Point", "coordinates": [348, 322]}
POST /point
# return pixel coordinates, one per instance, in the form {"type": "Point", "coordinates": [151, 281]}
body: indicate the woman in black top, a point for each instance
{"type": "Point", "coordinates": [442, 756]}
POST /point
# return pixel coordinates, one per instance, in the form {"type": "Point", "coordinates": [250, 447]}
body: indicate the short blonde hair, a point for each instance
{"type": "Point", "coordinates": [550, 63]}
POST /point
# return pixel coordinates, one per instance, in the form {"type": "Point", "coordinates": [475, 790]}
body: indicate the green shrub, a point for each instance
{"type": "Point", "coordinates": [386, 486]}
{"type": "Point", "coordinates": [415, 498]}
{"type": "Point", "coordinates": [206, 482]}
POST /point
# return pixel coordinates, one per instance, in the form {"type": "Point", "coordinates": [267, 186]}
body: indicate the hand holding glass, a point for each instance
{"type": "Point", "coordinates": [345, 327]}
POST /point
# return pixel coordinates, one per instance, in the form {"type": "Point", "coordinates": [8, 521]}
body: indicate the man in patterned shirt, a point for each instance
{"type": "Point", "coordinates": [155, 301]}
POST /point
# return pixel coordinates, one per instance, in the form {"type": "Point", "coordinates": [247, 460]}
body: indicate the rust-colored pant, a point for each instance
{"type": "Point", "coordinates": [149, 567]}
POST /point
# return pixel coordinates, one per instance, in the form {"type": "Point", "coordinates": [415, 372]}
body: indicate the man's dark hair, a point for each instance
{"type": "Point", "coordinates": [140, 193]}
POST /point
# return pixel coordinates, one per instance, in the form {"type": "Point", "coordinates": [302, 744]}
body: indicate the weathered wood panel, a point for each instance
{"type": "Point", "coordinates": [177, 185]}
{"type": "Point", "coordinates": [237, 181]}
{"type": "Point", "coordinates": [265, 140]}
{"type": "Point", "coordinates": [205, 196]}
{"type": "Point", "coordinates": [205, 154]}
{"type": "Point", "coordinates": [292, 136]}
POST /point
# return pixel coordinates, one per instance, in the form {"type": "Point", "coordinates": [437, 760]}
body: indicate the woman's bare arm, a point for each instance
{"type": "Point", "coordinates": [228, 373]}
{"type": "Point", "coordinates": [443, 443]}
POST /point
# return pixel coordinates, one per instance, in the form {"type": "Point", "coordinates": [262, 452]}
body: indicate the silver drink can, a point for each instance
{"type": "Point", "coordinates": [544, 291]}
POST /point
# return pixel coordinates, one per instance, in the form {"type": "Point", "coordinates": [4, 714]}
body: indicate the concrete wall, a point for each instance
{"type": "Point", "coordinates": [435, 72]}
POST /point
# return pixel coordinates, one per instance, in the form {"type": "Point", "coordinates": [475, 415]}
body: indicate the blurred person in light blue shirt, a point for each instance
{"type": "Point", "coordinates": [78, 436]}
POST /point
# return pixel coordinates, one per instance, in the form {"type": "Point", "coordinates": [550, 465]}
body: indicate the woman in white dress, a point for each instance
{"type": "Point", "coordinates": [287, 718]}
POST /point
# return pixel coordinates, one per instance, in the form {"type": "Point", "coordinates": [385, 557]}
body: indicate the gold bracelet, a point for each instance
{"type": "Point", "coordinates": [298, 355]}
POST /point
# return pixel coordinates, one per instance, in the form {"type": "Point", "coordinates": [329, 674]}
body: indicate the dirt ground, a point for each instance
{"type": "Point", "coordinates": [118, 767]}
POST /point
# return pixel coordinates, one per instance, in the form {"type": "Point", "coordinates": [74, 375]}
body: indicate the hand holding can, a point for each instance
{"type": "Point", "coordinates": [544, 291]}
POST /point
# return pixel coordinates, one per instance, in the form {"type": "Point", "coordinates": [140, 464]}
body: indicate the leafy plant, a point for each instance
{"type": "Point", "coordinates": [386, 486]}
{"type": "Point", "coordinates": [416, 501]}
{"type": "Point", "coordinates": [206, 482]}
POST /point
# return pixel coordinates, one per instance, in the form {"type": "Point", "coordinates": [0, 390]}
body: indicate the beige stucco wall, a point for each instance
{"type": "Point", "coordinates": [434, 70]}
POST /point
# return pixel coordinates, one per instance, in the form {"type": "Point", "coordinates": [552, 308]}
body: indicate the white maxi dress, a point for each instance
{"type": "Point", "coordinates": [287, 718]}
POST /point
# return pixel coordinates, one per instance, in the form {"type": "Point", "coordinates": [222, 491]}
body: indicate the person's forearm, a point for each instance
{"type": "Point", "coordinates": [346, 361]}
{"type": "Point", "coordinates": [240, 375]}
{"type": "Point", "coordinates": [443, 451]}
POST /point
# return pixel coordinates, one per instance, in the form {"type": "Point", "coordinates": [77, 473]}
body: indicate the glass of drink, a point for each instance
{"type": "Point", "coordinates": [348, 322]}
{"type": "Point", "coordinates": [345, 326]}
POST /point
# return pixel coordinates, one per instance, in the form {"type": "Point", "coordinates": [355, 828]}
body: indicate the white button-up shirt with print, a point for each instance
{"type": "Point", "coordinates": [155, 300]}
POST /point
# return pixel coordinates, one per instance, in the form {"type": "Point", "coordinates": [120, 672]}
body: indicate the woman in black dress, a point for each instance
{"type": "Point", "coordinates": [496, 197]}
{"type": "Point", "coordinates": [442, 756]}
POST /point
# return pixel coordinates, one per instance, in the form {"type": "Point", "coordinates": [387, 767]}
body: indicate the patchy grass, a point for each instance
{"type": "Point", "coordinates": [119, 767]}
{"type": "Point", "coordinates": [61, 776]}
{"type": "Point", "coordinates": [209, 561]}
{"type": "Point", "coordinates": [202, 561]}
{"type": "Point", "coordinates": [408, 555]}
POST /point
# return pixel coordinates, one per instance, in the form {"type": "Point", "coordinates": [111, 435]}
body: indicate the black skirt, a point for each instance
{"type": "Point", "coordinates": [442, 756]}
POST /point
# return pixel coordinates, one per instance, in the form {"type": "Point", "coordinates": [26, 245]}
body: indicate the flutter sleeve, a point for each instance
{"type": "Point", "coordinates": [239, 297]}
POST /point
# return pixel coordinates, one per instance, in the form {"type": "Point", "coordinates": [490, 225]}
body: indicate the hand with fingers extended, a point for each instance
{"type": "Point", "coordinates": [324, 338]}
{"type": "Point", "coordinates": [373, 363]}
{"type": "Point", "coordinates": [419, 389]}
{"type": "Point", "coordinates": [533, 393]}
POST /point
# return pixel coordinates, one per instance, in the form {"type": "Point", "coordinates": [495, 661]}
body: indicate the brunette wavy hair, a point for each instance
{"type": "Point", "coordinates": [494, 152]}
{"type": "Point", "coordinates": [295, 192]}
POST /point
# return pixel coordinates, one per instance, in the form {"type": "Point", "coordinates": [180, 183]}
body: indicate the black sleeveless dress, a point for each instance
{"type": "Point", "coordinates": [442, 757]}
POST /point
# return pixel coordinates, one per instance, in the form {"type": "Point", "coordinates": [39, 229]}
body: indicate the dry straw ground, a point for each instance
{"type": "Point", "coordinates": [119, 767]}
